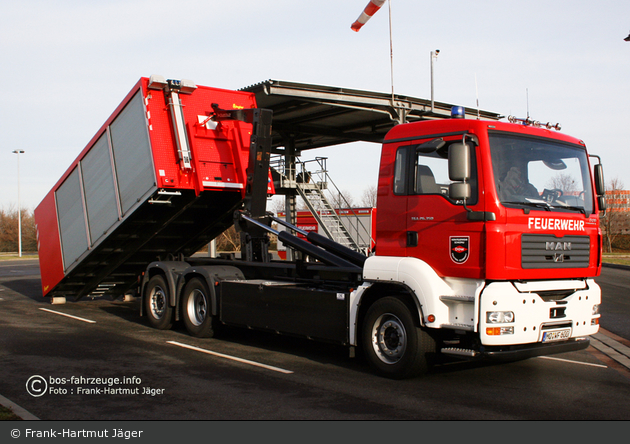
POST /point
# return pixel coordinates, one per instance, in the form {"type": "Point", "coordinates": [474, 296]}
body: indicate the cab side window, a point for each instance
{"type": "Point", "coordinates": [401, 169]}
{"type": "Point", "coordinates": [427, 173]}
{"type": "Point", "coordinates": [431, 175]}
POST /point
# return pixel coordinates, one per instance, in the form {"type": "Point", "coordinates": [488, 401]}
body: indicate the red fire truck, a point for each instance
{"type": "Point", "coordinates": [487, 234]}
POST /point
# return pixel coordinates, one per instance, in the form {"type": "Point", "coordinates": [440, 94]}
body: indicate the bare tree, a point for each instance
{"type": "Point", "coordinates": [9, 232]}
{"type": "Point", "coordinates": [341, 199]}
{"type": "Point", "coordinates": [616, 215]}
{"type": "Point", "coordinates": [368, 199]}
{"type": "Point", "coordinates": [276, 204]}
{"type": "Point", "coordinates": [229, 240]}
{"type": "Point", "coordinates": [615, 184]}
{"type": "Point", "coordinates": [564, 182]}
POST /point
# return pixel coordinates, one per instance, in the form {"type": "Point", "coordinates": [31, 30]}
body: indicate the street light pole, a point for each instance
{"type": "Point", "coordinates": [18, 152]}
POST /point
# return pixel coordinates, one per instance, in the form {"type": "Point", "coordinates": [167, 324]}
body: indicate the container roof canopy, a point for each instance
{"type": "Point", "coordinates": [314, 116]}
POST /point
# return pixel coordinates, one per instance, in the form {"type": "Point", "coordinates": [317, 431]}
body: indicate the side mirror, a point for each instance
{"type": "Point", "coordinates": [459, 171]}
{"type": "Point", "coordinates": [600, 188]}
{"type": "Point", "coordinates": [459, 162]}
{"type": "Point", "coordinates": [459, 191]}
{"type": "Point", "coordinates": [601, 203]}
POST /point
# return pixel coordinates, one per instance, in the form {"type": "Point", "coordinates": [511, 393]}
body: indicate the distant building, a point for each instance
{"type": "Point", "coordinates": [618, 211]}
{"type": "Point", "coordinates": [618, 200]}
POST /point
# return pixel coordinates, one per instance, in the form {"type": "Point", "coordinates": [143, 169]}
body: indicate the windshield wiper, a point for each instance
{"type": "Point", "coordinates": [547, 207]}
{"type": "Point", "coordinates": [531, 204]}
{"type": "Point", "coordinates": [571, 207]}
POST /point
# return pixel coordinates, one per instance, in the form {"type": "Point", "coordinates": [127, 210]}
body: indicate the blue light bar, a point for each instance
{"type": "Point", "coordinates": [458, 112]}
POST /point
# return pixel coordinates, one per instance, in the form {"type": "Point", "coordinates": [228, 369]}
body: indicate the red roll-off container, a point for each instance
{"type": "Point", "coordinates": [160, 178]}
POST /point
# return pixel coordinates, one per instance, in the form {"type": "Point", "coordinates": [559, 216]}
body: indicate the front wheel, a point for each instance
{"type": "Point", "coordinates": [393, 345]}
{"type": "Point", "coordinates": [156, 303]}
{"type": "Point", "coordinates": [197, 309]}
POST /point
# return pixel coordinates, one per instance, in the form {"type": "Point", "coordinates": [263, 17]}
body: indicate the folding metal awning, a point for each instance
{"type": "Point", "coordinates": [307, 116]}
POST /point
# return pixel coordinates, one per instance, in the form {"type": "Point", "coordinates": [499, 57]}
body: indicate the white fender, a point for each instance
{"type": "Point", "coordinates": [427, 287]}
{"type": "Point", "coordinates": [418, 276]}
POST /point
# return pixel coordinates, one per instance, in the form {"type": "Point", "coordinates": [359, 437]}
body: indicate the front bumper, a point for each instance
{"type": "Point", "coordinates": [534, 317]}
{"type": "Point", "coordinates": [524, 351]}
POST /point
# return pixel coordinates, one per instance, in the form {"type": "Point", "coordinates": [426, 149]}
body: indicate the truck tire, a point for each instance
{"type": "Point", "coordinates": [392, 343]}
{"type": "Point", "coordinates": [197, 309]}
{"type": "Point", "coordinates": [156, 303]}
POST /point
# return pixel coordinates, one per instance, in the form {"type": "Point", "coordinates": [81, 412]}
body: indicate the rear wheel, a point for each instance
{"type": "Point", "coordinates": [393, 345]}
{"type": "Point", "coordinates": [197, 309]}
{"type": "Point", "coordinates": [156, 303]}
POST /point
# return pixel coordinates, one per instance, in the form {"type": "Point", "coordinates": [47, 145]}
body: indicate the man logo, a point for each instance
{"type": "Point", "coordinates": [558, 246]}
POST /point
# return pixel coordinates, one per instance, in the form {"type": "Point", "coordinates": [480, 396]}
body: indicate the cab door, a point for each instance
{"type": "Point", "coordinates": [392, 197]}
{"type": "Point", "coordinates": [438, 230]}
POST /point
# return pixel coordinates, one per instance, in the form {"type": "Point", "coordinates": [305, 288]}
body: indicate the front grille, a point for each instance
{"type": "Point", "coordinates": [549, 251]}
{"type": "Point", "coordinates": [554, 326]}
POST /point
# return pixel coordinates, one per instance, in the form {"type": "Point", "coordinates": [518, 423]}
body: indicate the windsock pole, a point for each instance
{"type": "Point", "coordinates": [372, 8]}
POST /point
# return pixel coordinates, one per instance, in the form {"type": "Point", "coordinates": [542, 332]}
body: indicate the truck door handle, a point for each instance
{"type": "Point", "coordinates": [412, 238]}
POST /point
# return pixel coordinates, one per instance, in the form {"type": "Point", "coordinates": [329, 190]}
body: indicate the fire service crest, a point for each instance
{"type": "Point", "coordinates": [460, 248]}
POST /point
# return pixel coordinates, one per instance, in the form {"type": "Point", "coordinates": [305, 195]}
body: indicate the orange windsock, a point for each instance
{"type": "Point", "coordinates": [367, 13]}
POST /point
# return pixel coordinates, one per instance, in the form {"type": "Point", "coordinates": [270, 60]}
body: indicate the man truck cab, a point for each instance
{"type": "Point", "coordinates": [519, 258]}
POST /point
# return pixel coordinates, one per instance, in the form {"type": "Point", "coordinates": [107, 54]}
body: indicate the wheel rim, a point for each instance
{"type": "Point", "coordinates": [389, 338]}
{"type": "Point", "coordinates": [197, 308]}
{"type": "Point", "coordinates": [158, 302]}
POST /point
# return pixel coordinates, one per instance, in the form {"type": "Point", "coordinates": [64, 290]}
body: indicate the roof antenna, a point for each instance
{"type": "Point", "coordinates": [477, 94]}
{"type": "Point", "coordinates": [527, 94]}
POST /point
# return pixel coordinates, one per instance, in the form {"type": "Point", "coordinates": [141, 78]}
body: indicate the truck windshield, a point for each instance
{"type": "Point", "coordinates": [541, 173]}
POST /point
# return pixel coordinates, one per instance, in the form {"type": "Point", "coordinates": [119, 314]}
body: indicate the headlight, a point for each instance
{"type": "Point", "coordinates": [499, 317]}
{"type": "Point", "coordinates": [596, 309]}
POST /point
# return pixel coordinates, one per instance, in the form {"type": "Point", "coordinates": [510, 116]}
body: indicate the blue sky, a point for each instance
{"type": "Point", "coordinates": [67, 64]}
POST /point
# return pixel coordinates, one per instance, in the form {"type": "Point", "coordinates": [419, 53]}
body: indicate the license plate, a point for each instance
{"type": "Point", "coordinates": [556, 335]}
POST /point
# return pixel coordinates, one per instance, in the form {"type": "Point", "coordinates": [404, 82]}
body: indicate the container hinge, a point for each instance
{"type": "Point", "coordinates": [172, 90]}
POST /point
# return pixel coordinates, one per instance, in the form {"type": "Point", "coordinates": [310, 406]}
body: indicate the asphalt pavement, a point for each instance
{"type": "Point", "coordinates": [322, 384]}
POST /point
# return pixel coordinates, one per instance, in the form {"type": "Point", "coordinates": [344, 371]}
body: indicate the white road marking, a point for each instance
{"type": "Point", "coordinates": [611, 348]}
{"type": "Point", "coordinates": [233, 358]}
{"type": "Point", "coordinates": [69, 316]}
{"type": "Point", "coordinates": [573, 362]}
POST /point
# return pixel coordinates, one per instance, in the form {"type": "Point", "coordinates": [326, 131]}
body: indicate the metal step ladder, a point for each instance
{"type": "Point", "coordinates": [325, 214]}
{"type": "Point", "coordinates": [310, 180]}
